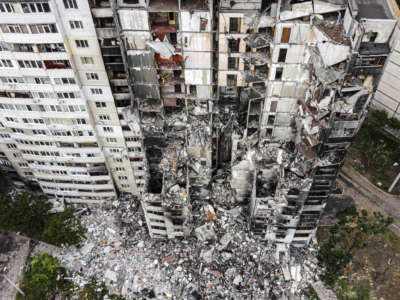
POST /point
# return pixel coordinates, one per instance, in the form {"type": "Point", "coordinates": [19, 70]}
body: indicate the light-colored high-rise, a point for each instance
{"type": "Point", "coordinates": [59, 116]}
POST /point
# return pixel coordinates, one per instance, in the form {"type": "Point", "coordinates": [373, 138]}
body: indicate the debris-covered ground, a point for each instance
{"type": "Point", "coordinates": [221, 261]}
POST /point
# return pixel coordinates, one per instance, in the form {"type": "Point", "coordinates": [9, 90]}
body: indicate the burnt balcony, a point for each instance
{"type": "Point", "coordinates": [163, 27]}
{"type": "Point", "coordinates": [15, 94]}
{"type": "Point", "coordinates": [150, 105]}
{"type": "Point", "coordinates": [111, 50]}
{"type": "Point", "coordinates": [97, 171]}
{"type": "Point", "coordinates": [106, 22]}
{"type": "Point", "coordinates": [193, 4]}
{"type": "Point", "coordinates": [163, 5]}
{"type": "Point", "coordinates": [109, 60]}
{"type": "Point", "coordinates": [57, 64]}
{"type": "Point", "coordinates": [99, 4]}
{"type": "Point", "coordinates": [122, 103]}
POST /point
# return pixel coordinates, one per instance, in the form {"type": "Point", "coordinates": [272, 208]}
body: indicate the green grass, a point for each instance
{"type": "Point", "coordinates": [375, 151]}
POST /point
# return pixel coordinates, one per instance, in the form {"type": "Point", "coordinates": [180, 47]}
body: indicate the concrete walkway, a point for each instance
{"type": "Point", "coordinates": [368, 196]}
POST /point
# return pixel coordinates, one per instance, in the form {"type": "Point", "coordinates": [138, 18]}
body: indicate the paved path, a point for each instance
{"type": "Point", "coordinates": [368, 196]}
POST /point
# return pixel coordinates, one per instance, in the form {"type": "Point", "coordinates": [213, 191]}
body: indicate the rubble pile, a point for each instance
{"type": "Point", "coordinates": [220, 259]}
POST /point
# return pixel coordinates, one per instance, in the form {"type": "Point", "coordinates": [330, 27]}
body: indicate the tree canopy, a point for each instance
{"type": "Point", "coordinates": [29, 214]}
{"type": "Point", "coordinates": [44, 279]}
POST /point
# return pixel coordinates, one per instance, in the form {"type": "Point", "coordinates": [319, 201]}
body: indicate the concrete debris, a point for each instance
{"type": "Point", "coordinates": [225, 260]}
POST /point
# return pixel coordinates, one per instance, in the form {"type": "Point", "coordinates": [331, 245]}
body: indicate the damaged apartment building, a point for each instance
{"type": "Point", "coordinates": [155, 98]}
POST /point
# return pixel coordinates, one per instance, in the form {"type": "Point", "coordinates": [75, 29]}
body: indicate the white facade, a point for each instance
{"type": "Point", "coordinates": [57, 108]}
{"type": "Point", "coordinates": [387, 95]}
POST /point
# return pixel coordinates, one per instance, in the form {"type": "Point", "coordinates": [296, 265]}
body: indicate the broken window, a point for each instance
{"type": "Point", "coordinates": [232, 63]}
{"type": "Point", "coordinates": [231, 80]}
{"type": "Point", "coordinates": [273, 107]}
{"type": "Point", "coordinates": [233, 45]}
{"type": "Point", "coordinates": [271, 120]}
{"type": "Point", "coordinates": [282, 55]}
{"type": "Point", "coordinates": [192, 90]}
{"type": "Point", "coordinates": [234, 25]}
{"type": "Point", "coordinates": [285, 35]}
{"type": "Point", "coordinates": [278, 73]}
{"type": "Point", "coordinates": [373, 36]}
{"type": "Point", "coordinates": [173, 38]}
{"type": "Point", "coordinates": [203, 24]}
{"type": "Point", "coordinates": [171, 18]}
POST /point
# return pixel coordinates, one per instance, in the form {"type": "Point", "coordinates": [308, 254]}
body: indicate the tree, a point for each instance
{"type": "Point", "coordinates": [26, 214]}
{"type": "Point", "coordinates": [94, 290]}
{"type": "Point", "coordinates": [63, 228]}
{"type": "Point", "coordinates": [356, 227]}
{"type": "Point", "coordinates": [44, 279]}
{"type": "Point", "coordinates": [29, 214]}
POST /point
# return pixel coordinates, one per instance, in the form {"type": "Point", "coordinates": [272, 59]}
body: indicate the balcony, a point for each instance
{"type": "Point", "coordinates": [118, 82]}
{"type": "Point", "coordinates": [15, 94]}
{"type": "Point", "coordinates": [57, 64]}
{"type": "Point", "coordinates": [104, 22]}
{"type": "Point", "coordinates": [106, 32]}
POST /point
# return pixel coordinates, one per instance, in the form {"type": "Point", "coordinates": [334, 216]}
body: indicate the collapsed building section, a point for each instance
{"type": "Point", "coordinates": [274, 91]}
{"type": "Point", "coordinates": [300, 77]}
{"type": "Point", "coordinates": [169, 56]}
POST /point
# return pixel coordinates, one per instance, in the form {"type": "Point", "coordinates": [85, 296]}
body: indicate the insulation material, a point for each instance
{"type": "Point", "coordinates": [164, 48]}
{"type": "Point", "coordinates": [133, 19]}
{"type": "Point", "coordinates": [333, 53]}
{"type": "Point", "coordinates": [197, 76]}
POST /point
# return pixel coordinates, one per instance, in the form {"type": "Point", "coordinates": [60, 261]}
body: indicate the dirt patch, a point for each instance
{"type": "Point", "coordinates": [377, 267]}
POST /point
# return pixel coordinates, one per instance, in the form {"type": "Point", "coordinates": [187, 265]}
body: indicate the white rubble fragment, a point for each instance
{"type": "Point", "coordinates": [238, 280]}
{"type": "Point", "coordinates": [110, 275]}
{"type": "Point", "coordinates": [205, 232]}
{"type": "Point", "coordinates": [87, 248]}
